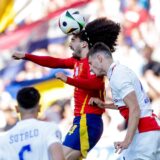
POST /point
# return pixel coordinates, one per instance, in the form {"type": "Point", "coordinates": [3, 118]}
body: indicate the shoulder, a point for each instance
{"type": "Point", "coordinates": [118, 73]}
{"type": "Point", "coordinates": [121, 68]}
{"type": "Point", "coordinates": [52, 125]}
{"type": "Point", "coordinates": [53, 132]}
{"type": "Point", "coordinates": [121, 75]}
{"type": "Point", "coordinates": [51, 128]}
{"type": "Point", "coordinates": [122, 71]}
{"type": "Point", "coordinates": [48, 125]}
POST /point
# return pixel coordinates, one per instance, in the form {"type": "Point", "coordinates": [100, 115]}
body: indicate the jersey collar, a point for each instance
{"type": "Point", "coordinates": [27, 120]}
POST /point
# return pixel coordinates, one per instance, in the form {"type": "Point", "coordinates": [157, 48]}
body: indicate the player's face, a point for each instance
{"type": "Point", "coordinates": [96, 65]}
{"type": "Point", "coordinates": [75, 45]}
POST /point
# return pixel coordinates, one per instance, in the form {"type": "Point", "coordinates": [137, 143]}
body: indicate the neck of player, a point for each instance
{"type": "Point", "coordinates": [106, 65]}
{"type": "Point", "coordinates": [29, 116]}
{"type": "Point", "coordinates": [84, 52]}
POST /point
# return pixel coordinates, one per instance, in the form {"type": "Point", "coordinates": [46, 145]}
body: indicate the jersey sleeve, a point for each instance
{"type": "Point", "coordinates": [54, 135]}
{"type": "Point", "coordinates": [51, 62]}
{"type": "Point", "coordinates": [94, 83]}
{"type": "Point", "coordinates": [123, 84]}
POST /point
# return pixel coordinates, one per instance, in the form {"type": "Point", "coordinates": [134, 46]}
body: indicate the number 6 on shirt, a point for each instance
{"type": "Point", "coordinates": [26, 148]}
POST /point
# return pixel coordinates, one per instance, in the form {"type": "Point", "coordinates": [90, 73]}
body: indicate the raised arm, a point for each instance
{"type": "Point", "coordinates": [89, 84]}
{"type": "Point", "coordinates": [46, 61]}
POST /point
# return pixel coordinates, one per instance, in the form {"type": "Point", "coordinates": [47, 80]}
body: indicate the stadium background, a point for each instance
{"type": "Point", "coordinates": [32, 26]}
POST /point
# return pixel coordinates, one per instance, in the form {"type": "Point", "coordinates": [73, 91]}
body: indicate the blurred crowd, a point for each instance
{"type": "Point", "coordinates": [138, 48]}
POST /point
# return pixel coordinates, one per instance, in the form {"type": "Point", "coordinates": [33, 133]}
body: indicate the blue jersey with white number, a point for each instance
{"type": "Point", "coordinates": [29, 139]}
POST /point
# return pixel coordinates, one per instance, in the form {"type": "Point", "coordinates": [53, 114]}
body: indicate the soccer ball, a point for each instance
{"type": "Point", "coordinates": [71, 21]}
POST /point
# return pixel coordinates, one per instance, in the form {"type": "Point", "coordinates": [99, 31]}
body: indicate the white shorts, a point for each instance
{"type": "Point", "coordinates": [145, 146]}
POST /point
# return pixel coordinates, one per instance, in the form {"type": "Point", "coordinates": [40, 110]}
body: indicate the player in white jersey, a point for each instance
{"type": "Point", "coordinates": [31, 139]}
{"type": "Point", "coordinates": [142, 140]}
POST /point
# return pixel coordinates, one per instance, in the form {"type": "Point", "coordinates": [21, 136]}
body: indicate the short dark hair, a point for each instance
{"type": "Point", "coordinates": [28, 97]}
{"type": "Point", "coordinates": [100, 47]}
{"type": "Point", "coordinates": [101, 30]}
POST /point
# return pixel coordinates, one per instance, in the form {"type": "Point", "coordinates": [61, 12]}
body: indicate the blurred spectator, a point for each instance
{"type": "Point", "coordinates": [5, 97]}
{"type": "Point", "coordinates": [151, 72]}
{"type": "Point", "coordinates": [11, 118]}
{"type": "Point", "coordinates": [60, 112]}
{"type": "Point", "coordinates": [3, 121]}
{"type": "Point", "coordinates": [53, 113]}
{"type": "Point", "coordinates": [151, 64]}
{"type": "Point", "coordinates": [134, 15]}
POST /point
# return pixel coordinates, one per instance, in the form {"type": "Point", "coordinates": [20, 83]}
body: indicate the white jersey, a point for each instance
{"type": "Point", "coordinates": [123, 81]}
{"type": "Point", "coordinates": [28, 139]}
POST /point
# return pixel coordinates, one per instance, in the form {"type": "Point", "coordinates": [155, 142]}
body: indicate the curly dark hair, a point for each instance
{"type": "Point", "coordinates": [101, 30]}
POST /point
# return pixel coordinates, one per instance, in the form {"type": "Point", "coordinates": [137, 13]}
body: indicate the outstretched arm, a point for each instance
{"type": "Point", "coordinates": [92, 83]}
{"type": "Point", "coordinates": [46, 61]}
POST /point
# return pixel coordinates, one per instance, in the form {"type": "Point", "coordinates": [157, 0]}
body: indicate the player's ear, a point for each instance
{"type": "Point", "coordinates": [17, 109]}
{"type": "Point", "coordinates": [39, 108]}
{"type": "Point", "coordinates": [84, 44]}
{"type": "Point", "coordinates": [99, 57]}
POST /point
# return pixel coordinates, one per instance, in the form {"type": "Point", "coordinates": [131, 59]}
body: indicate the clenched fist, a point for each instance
{"type": "Point", "coordinates": [18, 55]}
{"type": "Point", "coordinates": [61, 76]}
{"type": "Point", "coordinates": [96, 101]}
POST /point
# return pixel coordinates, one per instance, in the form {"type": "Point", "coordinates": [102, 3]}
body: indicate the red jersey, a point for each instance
{"type": "Point", "coordinates": [86, 84]}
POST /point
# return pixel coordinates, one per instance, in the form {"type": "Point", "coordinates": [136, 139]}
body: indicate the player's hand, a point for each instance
{"type": "Point", "coordinates": [61, 76]}
{"type": "Point", "coordinates": [96, 101]}
{"type": "Point", "coordinates": [120, 146]}
{"type": "Point", "coordinates": [18, 55]}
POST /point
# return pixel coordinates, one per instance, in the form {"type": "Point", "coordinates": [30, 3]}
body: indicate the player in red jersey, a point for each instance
{"type": "Point", "coordinates": [87, 125]}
